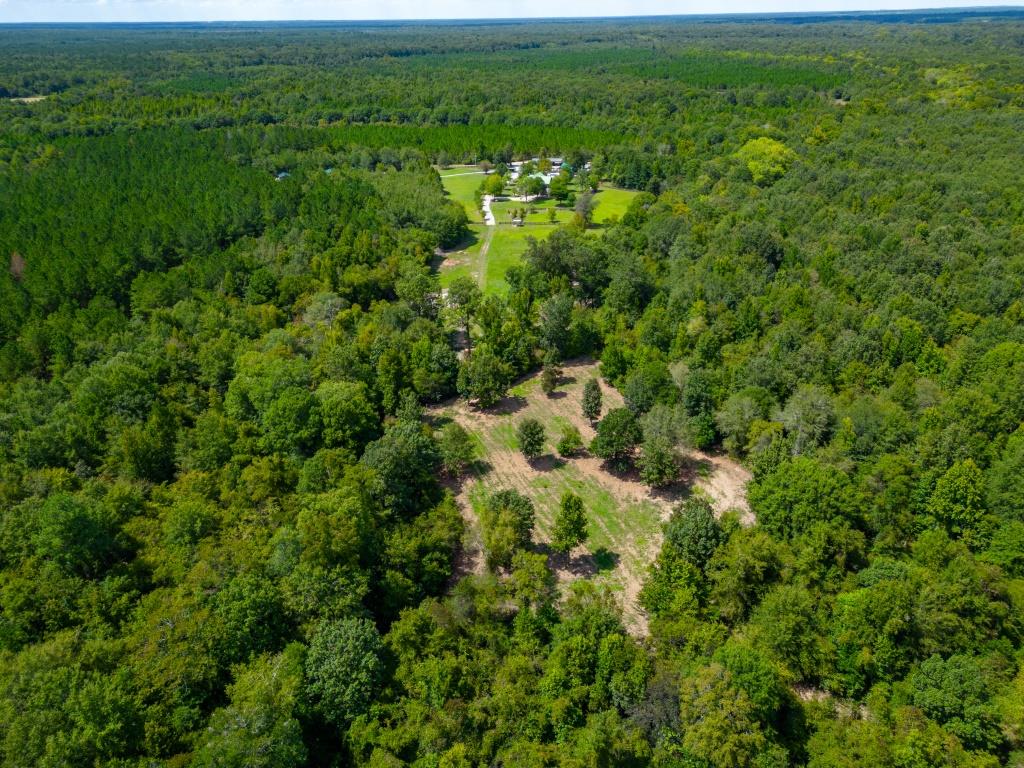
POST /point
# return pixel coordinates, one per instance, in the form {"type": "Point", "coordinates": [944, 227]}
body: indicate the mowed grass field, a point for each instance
{"type": "Point", "coordinates": [508, 244]}
{"type": "Point", "coordinates": [464, 260]}
{"type": "Point", "coordinates": [537, 212]}
{"type": "Point", "coordinates": [505, 248]}
{"type": "Point", "coordinates": [612, 202]}
{"type": "Point", "coordinates": [461, 184]}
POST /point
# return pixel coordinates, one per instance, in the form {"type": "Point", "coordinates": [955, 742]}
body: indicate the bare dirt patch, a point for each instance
{"type": "Point", "coordinates": [725, 484]}
{"type": "Point", "coordinates": [17, 266]}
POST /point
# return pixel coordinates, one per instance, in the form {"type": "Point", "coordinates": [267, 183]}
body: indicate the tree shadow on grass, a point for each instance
{"type": "Point", "coordinates": [474, 471]}
{"type": "Point", "coordinates": [690, 471]}
{"type": "Point", "coordinates": [468, 241]}
{"type": "Point", "coordinates": [557, 395]}
{"type": "Point", "coordinates": [442, 255]}
{"type": "Point", "coordinates": [547, 462]}
{"type": "Point", "coordinates": [622, 469]}
{"type": "Point", "coordinates": [507, 405]}
{"type": "Point", "coordinates": [604, 559]}
{"type": "Point", "coordinates": [438, 420]}
{"type": "Point", "coordinates": [680, 488]}
{"type": "Point", "coordinates": [583, 565]}
{"type": "Point", "coordinates": [675, 491]}
{"type": "Point", "coordinates": [577, 362]}
{"type": "Point", "coordinates": [694, 468]}
{"type": "Point", "coordinates": [565, 381]}
{"type": "Point", "coordinates": [479, 467]}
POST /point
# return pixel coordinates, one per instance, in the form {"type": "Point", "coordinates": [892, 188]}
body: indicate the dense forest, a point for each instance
{"type": "Point", "coordinates": [228, 532]}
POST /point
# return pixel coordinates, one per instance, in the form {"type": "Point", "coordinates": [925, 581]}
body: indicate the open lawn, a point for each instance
{"type": "Point", "coordinates": [488, 253]}
{"type": "Point", "coordinates": [612, 202]}
{"type": "Point", "coordinates": [624, 515]}
{"type": "Point", "coordinates": [537, 211]}
{"type": "Point", "coordinates": [461, 184]}
{"type": "Point", "coordinates": [458, 170]}
{"type": "Point", "coordinates": [508, 244]}
{"type": "Point", "coordinates": [464, 260]}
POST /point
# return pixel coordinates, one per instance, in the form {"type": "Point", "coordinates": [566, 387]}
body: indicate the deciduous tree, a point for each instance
{"type": "Point", "coordinates": [507, 521]}
{"type": "Point", "coordinates": [592, 400]}
{"type": "Point", "coordinates": [484, 377]}
{"type": "Point", "coordinates": [570, 523]}
{"type": "Point", "coordinates": [530, 436]}
{"type": "Point", "coordinates": [617, 435]}
{"type": "Point", "coordinates": [344, 669]}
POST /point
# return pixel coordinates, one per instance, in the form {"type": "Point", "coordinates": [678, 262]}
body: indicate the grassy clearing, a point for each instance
{"type": "Point", "coordinates": [624, 515]}
{"type": "Point", "coordinates": [458, 170]}
{"type": "Point", "coordinates": [505, 249]}
{"type": "Point", "coordinates": [537, 211]}
{"type": "Point", "coordinates": [464, 260]}
{"type": "Point", "coordinates": [612, 202]}
{"type": "Point", "coordinates": [625, 519]}
{"type": "Point", "coordinates": [508, 244]}
{"type": "Point", "coordinates": [461, 185]}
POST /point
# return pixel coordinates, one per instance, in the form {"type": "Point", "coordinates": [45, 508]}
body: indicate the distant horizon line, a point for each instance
{"type": "Point", "coordinates": [976, 10]}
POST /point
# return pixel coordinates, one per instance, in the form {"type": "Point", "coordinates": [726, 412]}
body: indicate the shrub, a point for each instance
{"type": "Point", "coordinates": [570, 442]}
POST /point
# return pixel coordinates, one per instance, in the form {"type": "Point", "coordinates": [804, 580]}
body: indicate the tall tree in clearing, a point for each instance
{"type": "Point", "coordinates": [618, 434]}
{"type": "Point", "coordinates": [592, 400]}
{"type": "Point", "coordinates": [570, 523]}
{"type": "Point", "coordinates": [530, 436]}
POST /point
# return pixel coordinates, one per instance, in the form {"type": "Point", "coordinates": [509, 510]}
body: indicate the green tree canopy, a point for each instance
{"type": "Point", "coordinates": [507, 520]}
{"type": "Point", "coordinates": [592, 400]}
{"type": "Point", "coordinates": [617, 435]}
{"type": "Point", "coordinates": [530, 436]}
{"type": "Point", "coordinates": [344, 669]}
{"type": "Point", "coordinates": [570, 523]}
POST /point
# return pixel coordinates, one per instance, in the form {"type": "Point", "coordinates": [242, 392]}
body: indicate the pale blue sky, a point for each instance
{"type": "Point", "coordinates": [236, 10]}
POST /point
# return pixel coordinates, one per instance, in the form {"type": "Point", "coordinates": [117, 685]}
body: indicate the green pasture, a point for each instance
{"type": "Point", "coordinates": [537, 212]}
{"type": "Point", "coordinates": [508, 244]}
{"type": "Point", "coordinates": [461, 185]}
{"type": "Point", "coordinates": [612, 202]}
{"type": "Point", "coordinates": [465, 258]}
